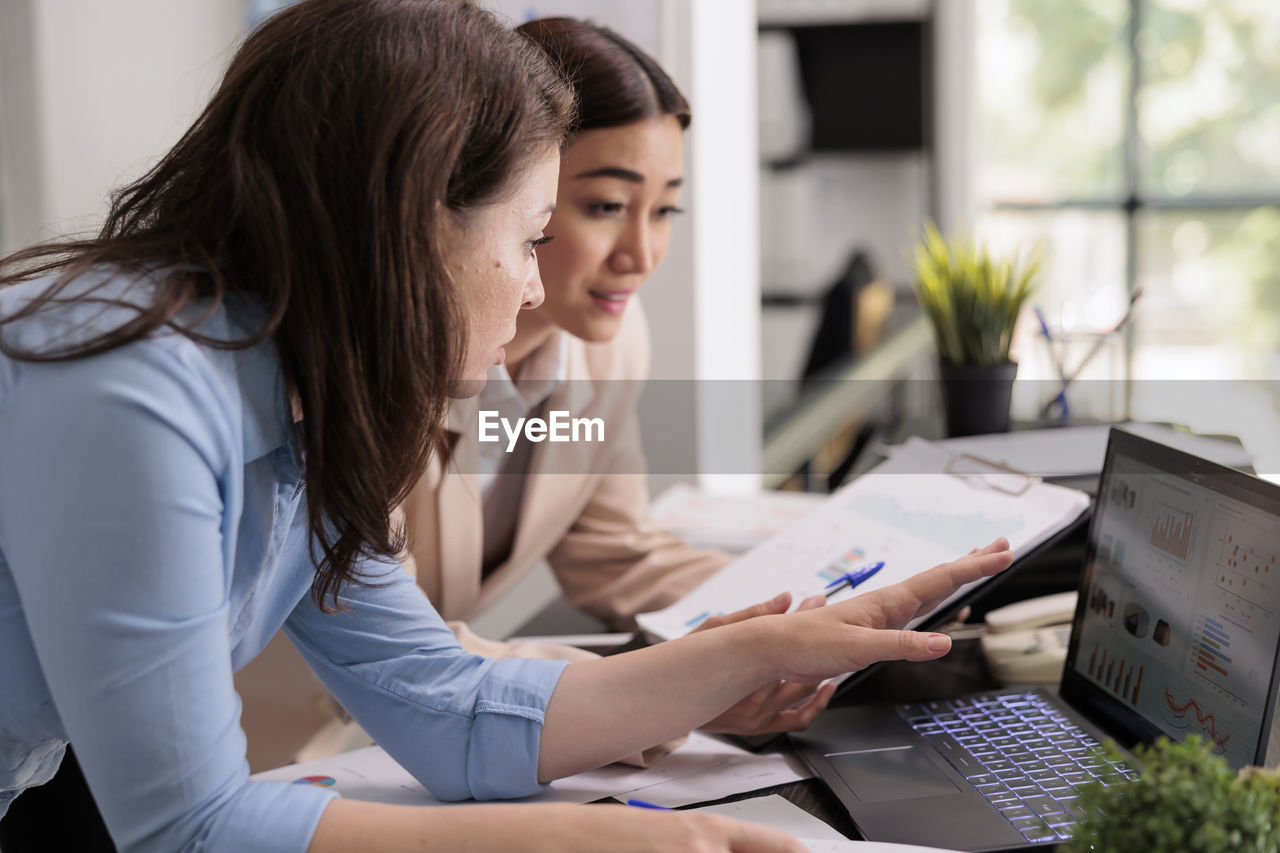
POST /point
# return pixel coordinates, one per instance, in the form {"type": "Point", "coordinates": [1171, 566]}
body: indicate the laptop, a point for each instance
{"type": "Point", "coordinates": [1176, 632]}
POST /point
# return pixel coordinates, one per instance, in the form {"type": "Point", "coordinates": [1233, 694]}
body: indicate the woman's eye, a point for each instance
{"type": "Point", "coordinates": [668, 211]}
{"type": "Point", "coordinates": [532, 245]}
{"type": "Point", "coordinates": [605, 208]}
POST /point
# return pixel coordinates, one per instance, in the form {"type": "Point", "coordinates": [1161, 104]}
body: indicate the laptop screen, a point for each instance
{"type": "Point", "coordinates": [1179, 620]}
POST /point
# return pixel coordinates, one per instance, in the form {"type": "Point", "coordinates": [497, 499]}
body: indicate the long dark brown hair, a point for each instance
{"type": "Point", "coordinates": [616, 82]}
{"type": "Point", "coordinates": [315, 183]}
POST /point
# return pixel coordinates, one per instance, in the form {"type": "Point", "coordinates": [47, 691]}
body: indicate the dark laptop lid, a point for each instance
{"type": "Point", "coordinates": [1177, 629]}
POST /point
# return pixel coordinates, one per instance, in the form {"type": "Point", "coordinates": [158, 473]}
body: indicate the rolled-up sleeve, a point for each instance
{"type": "Point", "coordinates": [463, 725]}
{"type": "Point", "coordinates": [114, 495]}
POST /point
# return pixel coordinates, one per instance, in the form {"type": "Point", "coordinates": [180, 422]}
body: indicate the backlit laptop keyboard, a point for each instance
{"type": "Point", "coordinates": [1021, 752]}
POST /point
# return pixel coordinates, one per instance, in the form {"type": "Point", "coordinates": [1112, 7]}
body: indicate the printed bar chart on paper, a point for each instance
{"type": "Point", "coordinates": [895, 514]}
{"type": "Point", "coordinates": [845, 563]}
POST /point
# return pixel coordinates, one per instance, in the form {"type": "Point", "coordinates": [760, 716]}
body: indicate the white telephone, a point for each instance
{"type": "Point", "coordinates": [1026, 642]}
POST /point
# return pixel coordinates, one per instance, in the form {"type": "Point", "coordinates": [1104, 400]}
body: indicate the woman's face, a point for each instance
{"type": "Point", "coordinates": [619, 187]}
{"type": "Point", "coordinates": [494, 267]}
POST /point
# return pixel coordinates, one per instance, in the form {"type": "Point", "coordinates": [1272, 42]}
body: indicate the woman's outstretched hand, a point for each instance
{"type": "Point", "coordinates": [812, 645]}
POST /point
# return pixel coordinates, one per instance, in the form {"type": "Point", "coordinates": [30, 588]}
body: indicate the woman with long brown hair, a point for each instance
{"type": "Point", "coordinates": [209, 412]}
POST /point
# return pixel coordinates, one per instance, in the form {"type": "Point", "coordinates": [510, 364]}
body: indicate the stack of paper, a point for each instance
{"type": "Point", "coordinates": [734, 523]}
{"type": "Point", "coordinates": [896, 514]}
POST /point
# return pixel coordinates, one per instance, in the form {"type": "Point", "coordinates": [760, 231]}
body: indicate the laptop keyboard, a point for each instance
{"type": "Point", "coordinates": [1021, 752]}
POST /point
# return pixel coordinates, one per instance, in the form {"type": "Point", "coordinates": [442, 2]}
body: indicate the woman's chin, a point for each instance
{"type": "Point", "coordinates": [597, 330]}
{"type": "Point", "coordinates": [460, 389]}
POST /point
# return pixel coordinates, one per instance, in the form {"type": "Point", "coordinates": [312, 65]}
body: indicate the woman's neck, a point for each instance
{"type": "Point", "coordinates": [531, 332]}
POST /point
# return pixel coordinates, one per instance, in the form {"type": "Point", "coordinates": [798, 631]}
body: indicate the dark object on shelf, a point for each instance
{"type": "Point", "coordinates": [976, 398]}
{"type": "Point", "coordinates": [865, 85]}
{"type": "Point", "coordinates": [835, 339]}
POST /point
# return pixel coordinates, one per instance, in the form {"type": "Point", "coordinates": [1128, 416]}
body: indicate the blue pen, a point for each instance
{"type": "Point", "coordinates": [1059, 400]}
{"type": "Point", "coordinates": [852, 579]}
{"type": "Point", "coordinates": [1044, 326]}
{"type": "Point", "coordinates": [641, 804]}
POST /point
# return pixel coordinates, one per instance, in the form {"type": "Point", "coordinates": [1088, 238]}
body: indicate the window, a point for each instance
{"type": "Point", "coordinates": [1141, 139]}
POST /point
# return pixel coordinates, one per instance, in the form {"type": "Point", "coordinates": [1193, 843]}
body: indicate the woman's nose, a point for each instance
{"type": "Point", "coordinates": [634, 250]}
{"type": "Point", "coordinates": [533, 292]}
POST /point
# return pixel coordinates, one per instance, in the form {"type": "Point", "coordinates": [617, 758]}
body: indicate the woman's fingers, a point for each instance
{"type": "Point", "coordinates": [875, 645]}
{"type": "Point", "coordinates": [778, 604]}
{"type": "Point", "coordinates": [783, 706]}
{"type": "Point", "coordinates": [734, 836]}
{"type": "Point", "coordinates": [798, 718]}
{"type": "Point", "coordinates": [813, 602]}
{"type": "Point", "coordinates": [896, 605]}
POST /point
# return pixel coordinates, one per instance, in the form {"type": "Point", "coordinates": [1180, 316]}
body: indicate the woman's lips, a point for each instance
{"type": "Point", "coordinates": [610, 301]}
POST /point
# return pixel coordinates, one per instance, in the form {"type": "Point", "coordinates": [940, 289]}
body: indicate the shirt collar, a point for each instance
{"type": "Point", "coordinates": [266, 417]}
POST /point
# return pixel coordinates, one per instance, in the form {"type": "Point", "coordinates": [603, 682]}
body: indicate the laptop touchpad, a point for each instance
{"type": "Point", "coordinates": [896, 773]}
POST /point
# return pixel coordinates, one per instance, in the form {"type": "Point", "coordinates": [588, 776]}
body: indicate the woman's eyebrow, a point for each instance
{"type": "Point", "coordinates": [612, 172]}
{"type": "Point", "coordinates": [621, 174]}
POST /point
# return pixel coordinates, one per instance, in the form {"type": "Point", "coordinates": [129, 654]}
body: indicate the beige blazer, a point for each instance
{"type": "Point", "coordinates": [585, 508]}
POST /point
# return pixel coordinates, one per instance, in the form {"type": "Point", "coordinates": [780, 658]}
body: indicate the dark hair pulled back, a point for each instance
{"type": "Point", "coordinates": [616, 82]}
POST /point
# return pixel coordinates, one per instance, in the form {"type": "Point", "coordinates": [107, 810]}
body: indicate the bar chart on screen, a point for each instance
{"type": "Point", "coordinates": [1171, 521]}
{"type": "Point", "coordinates": [1119, 672]}
{"type": "Point", "coordinates": [1171, 532]}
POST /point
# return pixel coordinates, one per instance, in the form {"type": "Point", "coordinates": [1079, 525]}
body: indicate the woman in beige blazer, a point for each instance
{"type": "Point", "coordinates": [483, 517]}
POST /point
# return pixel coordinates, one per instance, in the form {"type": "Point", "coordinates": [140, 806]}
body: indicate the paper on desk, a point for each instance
{"type": "Point", "coordinates": [734, 523]}
{"type": "Point", "coordinates": [776, 812]}
{"type": "Point", "coordinates": [908, 519]}
{"type": "Point", "coordinates": [824, 845]}
{"type": "Point", "coordinates": [783, 815]}
{"type": "Point", "coordinates": [703, 769]}
{"type": "Point", "coordinates": [1072, 451]}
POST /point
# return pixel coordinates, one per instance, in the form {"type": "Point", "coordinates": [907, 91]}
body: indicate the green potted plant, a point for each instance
{"type": "Point", "coordinates": [973, 301]}
{"type": "Point", "coordinates": [1187, 800]}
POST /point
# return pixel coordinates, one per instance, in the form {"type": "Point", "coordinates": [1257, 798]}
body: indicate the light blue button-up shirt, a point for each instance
{"type": "Point", "coordinates": [153, 537]}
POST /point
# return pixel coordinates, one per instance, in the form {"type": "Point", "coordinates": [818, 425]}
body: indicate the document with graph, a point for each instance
{"type": "Point", "coordinates": [922, 507]}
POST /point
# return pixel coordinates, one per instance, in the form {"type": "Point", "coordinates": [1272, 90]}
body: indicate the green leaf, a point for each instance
{"type": "Point", "coordinates": [972, 299]}
{"type": "Point", "coordinates": [1187, 799]}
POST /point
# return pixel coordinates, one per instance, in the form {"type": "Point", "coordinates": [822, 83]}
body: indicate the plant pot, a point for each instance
{"type": "Point", "coordinates": [975, 398]}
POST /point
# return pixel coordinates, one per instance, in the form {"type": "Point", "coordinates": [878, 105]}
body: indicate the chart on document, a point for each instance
{"type": "Point", "coordinates": [908, 520]}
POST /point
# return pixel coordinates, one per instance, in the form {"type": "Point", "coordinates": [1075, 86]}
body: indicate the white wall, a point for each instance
{"type": "Point", "coordinates": [91, 93]}
{"type": "Point", "coordinates": [955, 108]}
